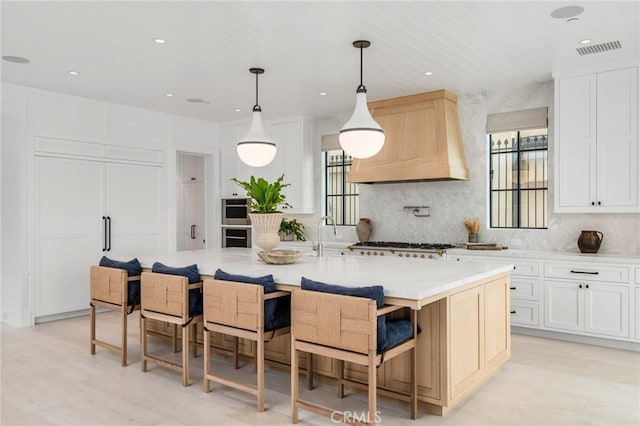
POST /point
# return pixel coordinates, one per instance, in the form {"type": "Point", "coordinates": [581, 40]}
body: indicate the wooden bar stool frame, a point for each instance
{"type": "Point", "coordinates": [237, 309]}
{"type": "Point", "coordinates": [344, 328]}
{"type": "Point", "coordinates": [109, 290]}
{"type": "Point", "coordinates": [165, 298]}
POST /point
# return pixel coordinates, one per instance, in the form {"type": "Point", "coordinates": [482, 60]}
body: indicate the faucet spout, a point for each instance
{"type": "Point", "coordinates": [335, 231]}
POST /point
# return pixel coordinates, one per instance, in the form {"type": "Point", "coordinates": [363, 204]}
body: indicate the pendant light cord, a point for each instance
{"type": "Point", "coordinates": [361, 88]}
{"type": "Point", "coordinates": [256, 107]}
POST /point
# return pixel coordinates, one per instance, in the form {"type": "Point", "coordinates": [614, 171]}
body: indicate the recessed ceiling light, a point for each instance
{"type": "Point", "coordinates": [74, 72]}
{"type": "Point", "coordinates": [170, 94]}
{"type": "Point", "coordinates": [16, 59]}
{"type": "Point", "coordinates": [159, 40]}
{"type": "Point", "coordinates": [585, 41]}
{"type": "Point", "coordinates": [428, 73]}
{"type": "Point", "coordinates": [567, 12]}
{"type": "Point", "coordinates": [323, 93]}
{"type": "Point", "coordinates": [237, 110]}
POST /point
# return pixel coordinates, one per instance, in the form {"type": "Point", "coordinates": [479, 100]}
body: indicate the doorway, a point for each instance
{"type": "Point", "coordinates": [190, 201]}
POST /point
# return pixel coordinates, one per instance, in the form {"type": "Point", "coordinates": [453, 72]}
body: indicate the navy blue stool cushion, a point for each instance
{"type": "Point", "coordinates": [397, 332]}
{"type": "Point", "coordinates": [375, 292]}
{"type": "Point", "coordinates": [133, 269]}
{"type": "Point", "coordinates": [192, 274]}
{"type": "Point", "coordinates": [277, 312]}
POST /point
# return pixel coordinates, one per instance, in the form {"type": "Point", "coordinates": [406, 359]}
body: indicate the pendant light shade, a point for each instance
{"type": "Point", "coordinates": [256, 149]}
{"type": "Point", "coordinates": [361, 136]}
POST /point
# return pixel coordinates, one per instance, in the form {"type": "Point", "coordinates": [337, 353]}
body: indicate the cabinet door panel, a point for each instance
{"type": "Point", "coordinates": [466, 329]}
{"type": "Point", "coordinates": [636, 292]}
{"type": "Point", "coordinates": [617, 138]}
{"type": "Point", "coordinates": [525, 314]}
{"type": "Point", "coordinates": [496, 323]}
{"type": "Point", "coordinates": [607, 309]}
{"type": "Point", "coordinates": [563, 305]}
{"type": "Point", "coordinates": [133, 201]}
{"type": "Point", "coordinates": [576, 156]}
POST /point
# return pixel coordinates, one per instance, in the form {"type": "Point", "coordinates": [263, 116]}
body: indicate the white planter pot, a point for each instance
{"type": "Point", "coordinates": [266, 227]}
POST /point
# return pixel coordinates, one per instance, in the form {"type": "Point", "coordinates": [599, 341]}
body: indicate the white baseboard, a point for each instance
{"type": "Point", "coordinates": [617, 344]}
{"type": "Point", "coordinates": [16, 318]}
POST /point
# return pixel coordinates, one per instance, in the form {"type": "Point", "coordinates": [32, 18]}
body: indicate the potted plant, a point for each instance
{"type": "Point", "coordinates": [290, 229]}
{"type": "Point", "coordinates": [265, 198]}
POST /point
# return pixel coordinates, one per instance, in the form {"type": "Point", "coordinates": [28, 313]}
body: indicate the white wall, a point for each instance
{"type": "Point", "coordinates": [27, 113]}
{"type": "Point", "coordinates": [452, 202]}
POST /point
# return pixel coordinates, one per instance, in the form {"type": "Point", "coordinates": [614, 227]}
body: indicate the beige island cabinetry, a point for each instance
{"type": "Point", "coordinates": [463, 317]}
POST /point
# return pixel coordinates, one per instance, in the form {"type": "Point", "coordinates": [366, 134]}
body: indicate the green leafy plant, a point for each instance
{"type": "Point", "coordinates": [265, 197]}
{"type": "Point", "coordinates": [292, 227]}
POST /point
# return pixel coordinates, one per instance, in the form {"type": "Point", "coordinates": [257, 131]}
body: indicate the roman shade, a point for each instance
{"type": "Point", "coordinates": [535, 118]}
{"type": "Point", "coordinates": [330, 143]}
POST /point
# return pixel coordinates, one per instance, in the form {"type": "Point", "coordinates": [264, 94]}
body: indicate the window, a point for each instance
{"type": "Point", "coordinates": [518, 179]}
{"type": "Point", "coordinates": [341, 197]}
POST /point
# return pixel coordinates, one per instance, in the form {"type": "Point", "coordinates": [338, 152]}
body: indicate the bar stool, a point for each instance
{"type": "Point", "coordinates": [172, 295]}
{"type": "Point", "coordinates": [248, 308]}
{"type": "Point", "coordinates": [114, 285]}
{"type": "Point", "coordinates": [348, 324]}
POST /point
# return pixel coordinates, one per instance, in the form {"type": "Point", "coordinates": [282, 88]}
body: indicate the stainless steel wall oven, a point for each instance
{"type": "Point", "coordinates": [235, 211]}
{"type": "Point", "coordinates": [235, 236]}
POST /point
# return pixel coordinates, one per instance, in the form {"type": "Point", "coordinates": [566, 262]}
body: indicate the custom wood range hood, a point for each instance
{"type": "Point", "coordinates": [423, 141]}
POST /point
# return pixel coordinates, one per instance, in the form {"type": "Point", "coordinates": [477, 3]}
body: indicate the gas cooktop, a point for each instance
{"type": "Point", "coordinates": [400, 245]}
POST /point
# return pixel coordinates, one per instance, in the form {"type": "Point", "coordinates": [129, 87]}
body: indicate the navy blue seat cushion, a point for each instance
{"type": "Point", "coordinates": [397, 332]}
{"type": "Point", "coordinates": [277, 312]}
{"type": "Point", "coordinates": [192, 274]}
{"type": "Point", "coordinates": [375, 292]}
{"type": "Point", "coordinates": [133, 269]}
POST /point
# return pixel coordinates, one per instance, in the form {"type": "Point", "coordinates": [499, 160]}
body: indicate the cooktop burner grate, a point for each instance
{"type": "Point", "coordinates": [400, 245]}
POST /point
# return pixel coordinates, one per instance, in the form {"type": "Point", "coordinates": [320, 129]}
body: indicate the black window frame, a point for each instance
{"type": "Point", "coordinates": [517, 189]}
{"type": "Point", "coordinates": [339, 197]}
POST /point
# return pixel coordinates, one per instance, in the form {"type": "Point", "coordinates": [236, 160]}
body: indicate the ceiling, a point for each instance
{"type": "Point", "coordinates": [304, 46]}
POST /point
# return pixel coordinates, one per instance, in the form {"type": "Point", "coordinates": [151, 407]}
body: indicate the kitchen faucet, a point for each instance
{"type": "Point", "coordinates": [335, 232]}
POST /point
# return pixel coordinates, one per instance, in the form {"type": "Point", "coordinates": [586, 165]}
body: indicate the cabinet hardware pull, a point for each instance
{"type": "Point", "coordinates": [599, 203]}
{"type": "Point", "coordinates": [580, 286]}
{"type": "Point", "coordinates": [513, 312]}
{"type": "Point", "coordinates": [109, 234]}
{"type": "Point", "coordinates": [587, 285]}
{"type": "Point", "coordinates": [585, 272]}
{"type": "Point", "coordinates": [512, 288]}
{"type": "Point", "coordinates": [104, 234]}
{"type": "Point", "coordinates": [593, 203]}
{"type": "Point", "coordinates": [193, 232]}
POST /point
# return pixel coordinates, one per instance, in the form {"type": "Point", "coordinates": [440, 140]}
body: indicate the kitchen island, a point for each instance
{"type": "Point", "coordinates": [463, 314]}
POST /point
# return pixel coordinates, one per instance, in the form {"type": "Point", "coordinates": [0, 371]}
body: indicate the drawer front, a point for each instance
{"type": "Point", "coordinates": [524, 289]}
{"type": "Point", "coordinates": [586, 272]}
{"type": "Point", "coordinates": [525, 314]}
{"type": "Point", "coordinates": [527, 268]}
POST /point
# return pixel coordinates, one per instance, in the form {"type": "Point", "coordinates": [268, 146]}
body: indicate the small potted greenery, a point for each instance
{"type": "Point", "coordinates": [265, 198]}
{"type": "Point", "coordinates": [291, 229]}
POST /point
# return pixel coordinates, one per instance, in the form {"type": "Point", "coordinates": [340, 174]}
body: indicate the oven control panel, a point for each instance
{"type": "Point", "coordinates": [438, 255]}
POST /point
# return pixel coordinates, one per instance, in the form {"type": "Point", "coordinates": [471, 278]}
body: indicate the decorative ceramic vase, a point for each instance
{"type": "Point", "coordinates": [266, 227]}
{"type": "Point", "coordinates": [364, 229]}
{"type": "Point", "coordinates": [473, 237]}
{"type": "Point", "coordinates": [589, 241]}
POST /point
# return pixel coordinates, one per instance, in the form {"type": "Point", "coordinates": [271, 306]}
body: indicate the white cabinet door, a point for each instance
{"type": "Point", "coordinates": [576, 144]}
{"type": "Point", "coordinates": [191, 226]}
{"type": "Point", "coordinates": [191, 168]}
{"type": "Point", "coordinates": [617, 136]}
{"type": "Point", "coordinates": [134, 207]}
{"type": "Point", "coordinates": [606, 309]}
{"type": "Point", "coordinates": [70, 204]}
{"type": "Point", "coordinates": [636, 291]}
{"type": "Point", "coordinates": [563, 305]}
{"type": "Point", "coordinates": [232, 166]}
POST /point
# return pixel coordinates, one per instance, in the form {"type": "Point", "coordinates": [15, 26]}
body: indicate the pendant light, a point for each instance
{"type": "Point", "coordinates": [256, 149]}
{"type": "Point", "coordinates": [361, 136]}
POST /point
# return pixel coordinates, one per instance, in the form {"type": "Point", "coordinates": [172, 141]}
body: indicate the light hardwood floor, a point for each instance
{"type": "Point", "coordinates": [48, 377]}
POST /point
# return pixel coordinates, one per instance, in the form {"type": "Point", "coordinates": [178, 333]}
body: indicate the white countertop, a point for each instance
{"type": "Point", "coordinates": [546, 255]}
{"type": "Point", "coordinates": [401, 278]}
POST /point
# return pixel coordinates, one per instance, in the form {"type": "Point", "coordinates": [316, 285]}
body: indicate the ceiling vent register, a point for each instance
{"type": "Point", "coordinates": [599, 48]}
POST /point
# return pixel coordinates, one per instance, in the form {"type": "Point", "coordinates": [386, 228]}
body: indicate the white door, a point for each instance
{"type": "Point", "coordinates": [134, 209]}
{"type": "Point", "coordinates": [576, 147]}
{"type": "Point", "coordinates": [617, 138]}
{"type": "Point", "coordinates": [563, 305]}
{"type": "Point", "coordinates": [607, 309]}
{"type": "Point", "coordinates": [69, 219]}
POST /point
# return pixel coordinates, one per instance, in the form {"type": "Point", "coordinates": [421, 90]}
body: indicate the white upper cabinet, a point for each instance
{"type": "Point", "coordinates": [596, 142]}
{"type": "Point", "coordinates": [294, 141]}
